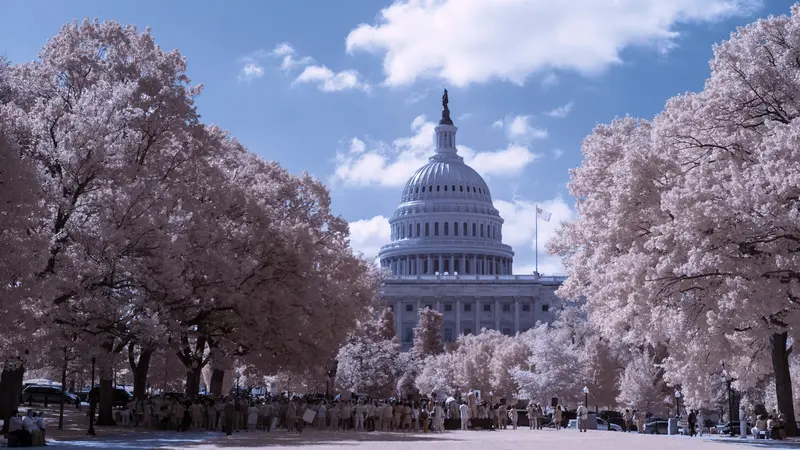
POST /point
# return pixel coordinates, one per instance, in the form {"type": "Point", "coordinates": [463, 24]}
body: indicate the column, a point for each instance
{"type": "Point", "coordinates": [497, 313]}
{"type": "Point", "coordinates": [397, 321]}
{"type": "Point", "coordinates": [477, 327]}
{"type": "Point", "coordinates": [419, 304]}
{"type": "Point", "coordinates": [407, 265]}
{"type": "Point", "coordinates": [439, 304]}
{"type": "Point", "coordinates": [430, 266]}
{"type": "Point", "coordinates": [516, 315]}
{"type": "Point", "coordinates": [463, 264]}
{"type": "Point", "coordinates": [458, 317]}
{"type": "Point", "coordinates": [441, 264]}
{"type": "Point", "coordinates": [496, 265]}
{"type": "Point", "coordinates": [475, 265]}
{"type": "Point", "coordinates": [452, 264]}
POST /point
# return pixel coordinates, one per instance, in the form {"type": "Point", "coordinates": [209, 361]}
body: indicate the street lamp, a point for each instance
{"type": "Point", "coordinates": [586, 397]}
{"type": "Point", "coordinates": [491, 398]}
{"type": "Point", "coordinates": [678, 404]}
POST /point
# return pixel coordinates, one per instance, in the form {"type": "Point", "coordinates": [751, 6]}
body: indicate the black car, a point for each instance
{"type": "Point", "coordinates": [45, 394]}
{"type": "Point", "coordinates": [732, 428]}
{"type": "Point", "coordinates": [120, 398]}
{"type": "Point", "coordinates": [656, 427]}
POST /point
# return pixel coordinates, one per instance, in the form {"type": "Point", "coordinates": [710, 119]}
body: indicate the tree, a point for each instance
{"type": "Point", "coordinates": [386, 325]}
{"type": "Point", "coordinates": [427, 334]}
{"type": "Point", "coordinates": [642, 385]}
{"type": "Point", "coordinates": [688, 225]}
{"type": "Point", "coordinates": [367, 363]}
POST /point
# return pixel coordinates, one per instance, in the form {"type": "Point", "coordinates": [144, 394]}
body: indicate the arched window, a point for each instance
{"type": "Point", "coordinates": [445, 188]}
{"type": "Point", "coordinates": [474, 229]}
{"type": "Point", "coordinates": [417, 190]}
{"type": "Point", "coordinates": [436, 229]}
{"type": "Point", "coordinates": [455, 228]}
{"type": "Point", "coordinates": [454, 188]}
{"type": "Point", "coordinates": [446, 228]}
{"type": "Point", "coordinates": [418, 228]}
{"type": "Point", "coordinates": [437, 188]}
{"type": "Point", "coordinates": [427, 229]}
{"type": "Point", "coordinates": [473, 189]}
{"type": "Point", "coordinates": [430, 188]}
{"type": "Point", "coordinates": [461, 188]}
{"type": "Point", "coordinates": [481, 230]}
{"type": "Point", "coordinates": [402, 232]}
{"type": "Point", "coordinates": [465, 229]}
{"type": "Point", "coordinates": [410, 232]}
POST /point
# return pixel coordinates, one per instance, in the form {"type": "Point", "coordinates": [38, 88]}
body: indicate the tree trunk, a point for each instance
{"type": "Point", "coordinates": [194, 361]}
{"type": "Point", "coordinates": [193, 376]}
{"type": "Point", "coordinates": [10, 390]}
{"type": "Point", "coordinates": [64, 389]}
{"type": "Point", "coordinates": [105, 415]}
{"type": "Point", "coordinates": [139, 370]}
{"type": "Point", "coordinates": [783, 380]}
{"type": "Point", "coordinates": [217, 376]}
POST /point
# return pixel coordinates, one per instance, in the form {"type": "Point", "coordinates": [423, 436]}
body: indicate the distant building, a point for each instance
{"type": "Point", "coordinates": [447, 253]}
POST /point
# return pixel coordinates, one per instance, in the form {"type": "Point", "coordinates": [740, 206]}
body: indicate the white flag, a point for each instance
{"type": "Point", "coordinates": [542, 214]}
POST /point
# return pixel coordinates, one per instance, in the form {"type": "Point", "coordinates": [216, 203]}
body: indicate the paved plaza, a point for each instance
{"type": "Point", "coordinates": [498, 440]}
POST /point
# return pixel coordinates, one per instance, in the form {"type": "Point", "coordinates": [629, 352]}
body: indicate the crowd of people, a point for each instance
{"type": "Point", "coordinates": [343, 413]}
{"type": "Point", "coordinates": [28, 430]}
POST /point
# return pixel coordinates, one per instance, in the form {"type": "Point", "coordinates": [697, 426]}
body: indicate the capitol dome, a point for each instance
{"type": "Point", "coordinates": [446, 222]}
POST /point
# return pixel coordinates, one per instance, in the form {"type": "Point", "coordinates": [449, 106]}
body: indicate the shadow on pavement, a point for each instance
{"type": "Point", "coordinates": [760, 443]}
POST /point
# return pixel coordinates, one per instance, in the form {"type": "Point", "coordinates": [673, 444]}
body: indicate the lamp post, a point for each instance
{"type": "Point", "coordinates": [678, 404]}
{"type": "Point", "coordinates": [92, 403]}
{"type": "Point", "coordinates": [586, 397]}
{"type": "Point", "coordinates": [491, 398]}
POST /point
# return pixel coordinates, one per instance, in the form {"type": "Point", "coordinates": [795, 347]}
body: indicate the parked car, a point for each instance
{"type": "Point", "coordinates": [656, 427]}
{"type": "Point", "coordinates": [46, 394]}
{"type": "Point", "coordinates": [120, 398]}
{"type": "Point", "coordinates": [605, 426]}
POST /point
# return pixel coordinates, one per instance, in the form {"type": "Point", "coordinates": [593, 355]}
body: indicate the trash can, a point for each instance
{"type": "Point", "coordinates": [672, 426]}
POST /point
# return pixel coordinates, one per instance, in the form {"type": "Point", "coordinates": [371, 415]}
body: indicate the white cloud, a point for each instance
{"type": "Point", "coordinates": [549, 80]}
{"type": "Point", "coordinates": [465, 116]}
{"type": "Point", "coordinates": [519, 231]}
{"type": "Point", "coordinates": [289, 57]}
{"type": "Point", "coordinates": [561, 111]}
{"type": "Point", "coordinates": [415, 98]}
{"type": "Point", "coordinates": [391, 164]}
{"type": "Point", "coordinates": [368, 235]}
{"type": "Point", "coordinates": [474, 41]}
{"type": "Point", "coordinates": [557, 153]}
{"type": "Point", "coordinates": [251, 71]}
{"type": "Point", "coordinates": [498, 123]}
{"type": "Point", "coordinates": [519, 129]}
{"type": "Point", "coordinates": [330, 81]}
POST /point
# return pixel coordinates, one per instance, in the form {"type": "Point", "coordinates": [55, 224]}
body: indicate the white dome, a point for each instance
{"type": "Point", "coordinates": [446, 177]}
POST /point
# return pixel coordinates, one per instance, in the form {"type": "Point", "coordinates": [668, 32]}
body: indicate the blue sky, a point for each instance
{"type": "Point", "coordinates": [348, 90]}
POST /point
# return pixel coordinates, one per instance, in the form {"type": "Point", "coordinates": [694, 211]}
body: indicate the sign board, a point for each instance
{"type": "Point", "coordinates": [309, 415]}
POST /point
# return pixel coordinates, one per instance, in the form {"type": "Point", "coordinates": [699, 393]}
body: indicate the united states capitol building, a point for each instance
{"type": "Point", "coordinates": [447, 253]}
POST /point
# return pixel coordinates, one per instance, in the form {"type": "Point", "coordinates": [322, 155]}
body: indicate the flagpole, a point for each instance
{"type": "Point", "coordinates": [536, 237]}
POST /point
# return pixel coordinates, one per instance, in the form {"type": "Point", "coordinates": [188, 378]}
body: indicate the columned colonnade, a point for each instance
{"type": "Point", "coordinates": [465, 264]}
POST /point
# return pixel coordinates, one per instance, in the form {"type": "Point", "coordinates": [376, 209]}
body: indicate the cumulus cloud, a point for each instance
{"type": "Point", "coordinates": [391, 164]}
{"type": "Point", "coordinates": [561, 111]}
{"type": "Point", "coordinates": [557, 153]}
{"type": "Point", "coordinates": [474, 41]}
{"type": "Point", "coordinates": [251, 70]}
{"type": "Point", "coordinates": [330, 81]}
{"type": "Point", "coordinates": [289, 57]}
{"type": "Point", "coordinates": [519, 129]}
{"type": "Point", "coordinates": [368, 235]}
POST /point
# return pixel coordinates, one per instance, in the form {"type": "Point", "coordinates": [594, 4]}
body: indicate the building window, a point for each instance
{"type": "Point", "coordinates": [506, 308]}
{"type": "Point", "coordinates": [410, 308]}
{"type": "Point", "coordinates": [455, 228]}
{"type": "Point", "coordinates": [465, 229]}
{"type": "Point", "coordinates": [410, 231]}
{"type": "Point", "coordinates": [467, 307]}
{"type": "Point", "coordinates": [474, 228]}
{"type": "Point", "coordinates": [507, 331]}
{"type": "Point", "coordinates": [448, 335]}
{"type": "Point", "coordinates": [429, 306]}
{"type": "Point", "coordinates": [427, 229]}
{"type": "Point", "coordinates": [430, 188]}
{"type": "Point", "coordinates": [461, 188]}
{"type": "Point", "coordinates": [487, 307]}
{"type": "Point", "coordinates": [467, 330]}
{"type": "Point", "coordinates": [526, 308]}
{"type": "Point", "coordinates": [418, 229]}
{"type": "Point", "coordinates": [448, 307]}
{"type": "Point", "coordinates": [454, 188]}
{"type": "Point", "coordinates": [445, 188]}
{"type": "Point", "coordinates": [391, 308]}
{"type": "Point", "coordinates": [437, 188]}
{"type": "Point", "coordinates": [409, 335]}
{"type": "Point", "coordinates": [481, 230]}
{"type": "Point", "coordinates": [446, 228]}
{"type": "Point", "coordinates": [545, 308]}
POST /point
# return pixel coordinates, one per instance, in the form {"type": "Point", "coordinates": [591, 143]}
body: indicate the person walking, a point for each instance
{"type": "Point", "coordinates": [464, 411]}
{"type": "Point", "coordinates": [583, 416]}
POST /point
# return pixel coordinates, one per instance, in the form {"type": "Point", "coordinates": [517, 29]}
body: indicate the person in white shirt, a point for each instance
{"type": "Point", "coordinates": [15, 428]}
{"type": "Point", "coordinates": [360, 410]}
{"type": "Point", "coordinates": [583, 417]}
{"type": "Point", "coordinates": [322, 416]}
{"type": "Point", "coordinates": [29, 425]}
{"type": "Point", "coordinates": [464, 410]}
{"type": "Point", "coordinates": [41, 423]}
{"type": "Point", "coordinates": [438, 418]}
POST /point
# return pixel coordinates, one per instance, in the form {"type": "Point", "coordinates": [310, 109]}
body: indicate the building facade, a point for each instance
{"type": "Point", "coordinates": [447, 253]}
